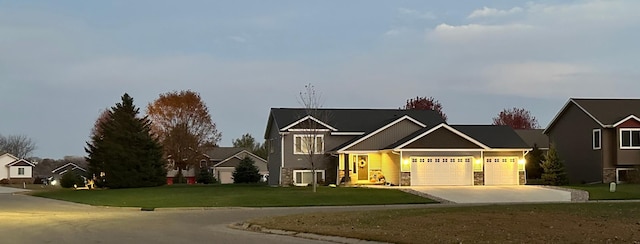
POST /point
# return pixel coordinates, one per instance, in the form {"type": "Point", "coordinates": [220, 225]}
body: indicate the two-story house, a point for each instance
{"type": "Point", "coordinates": [598, 139]}
{"type": "Point", "coordinates": [389, 146]}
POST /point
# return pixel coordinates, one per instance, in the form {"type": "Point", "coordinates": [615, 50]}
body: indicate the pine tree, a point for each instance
{"type": "Point", "coordinates": [246, 172]}
{"type": "Point", "coordinates": [553, 169]}
{"type": "Point", "coordinates": [125, 154]}
{"type": "Point", "coordinates": [534, 159]}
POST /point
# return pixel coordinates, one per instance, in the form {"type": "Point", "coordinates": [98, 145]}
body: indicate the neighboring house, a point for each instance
{"type": "Point", "coordinates": [598, 139]}
{"type": "Point", "coordinates": [223, 161]}
{"type": "Point", "coordinates": [189, 173]}
{"type": "Point", "coordinates": [535, 137]}
{"type": "Point", "coordinates": [15, 170]}
{"type": "Point", "coordinates": [390, 146]}
{"type": "Point", "coordinates": [57, 173]}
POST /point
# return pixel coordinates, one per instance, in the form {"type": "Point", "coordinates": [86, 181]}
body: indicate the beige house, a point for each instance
{"type": "Point", "coordinates": [15, 170]}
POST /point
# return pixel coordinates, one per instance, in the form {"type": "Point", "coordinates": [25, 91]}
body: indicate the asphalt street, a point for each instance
{"type": "Point", "coordinates": [27, 219]}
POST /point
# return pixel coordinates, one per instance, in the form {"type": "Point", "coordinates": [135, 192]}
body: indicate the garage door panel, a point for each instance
{"type": "Point", "coordinates": [441, 171]}
{"type": "Point", "coordinates": [501, 171]}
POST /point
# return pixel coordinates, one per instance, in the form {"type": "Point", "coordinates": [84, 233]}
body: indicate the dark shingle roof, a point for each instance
{"type": "Point", "coordinates": [534, 137]}
{"type": "Point", "coordinates": [493, 136]}
{"type": "Point", "coordinates": [609, 111]}
{"type": "Point", "coordinates": [354, 120]}
{"type": "Point", "coordinates": [222, 153]}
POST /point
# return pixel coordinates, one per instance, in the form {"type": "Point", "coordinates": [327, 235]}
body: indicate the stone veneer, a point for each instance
{"type": "Point", "coordinates": [478, 178]}
{"type": "Point", "coordinates": [405, 179]}
{"type": "Point", "coordinates": [609, 175]}
{"type": "Point", "coordinates": [287, 176]}
{"type": "Point", "coordinates": [522, 178]}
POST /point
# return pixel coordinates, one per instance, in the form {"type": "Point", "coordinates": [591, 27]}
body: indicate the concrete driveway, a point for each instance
{"type": "Point", "coordinates": [4, 190]}
{"type": "Point", "coordinates": [495, 194]}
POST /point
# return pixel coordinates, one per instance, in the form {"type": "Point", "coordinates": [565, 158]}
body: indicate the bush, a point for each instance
{"type": "Point", "coordinates": [246, 172]}
{"type": "Point", "coordinates": [4, 182]}
{"type": "Point", "coordinates": [70, 179]}
{"type": "Point", "coordinates": [205, 177]}
{"type": "Point", "coordinates": [553, 169]}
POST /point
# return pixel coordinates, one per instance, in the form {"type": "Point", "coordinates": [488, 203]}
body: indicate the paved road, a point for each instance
{"type": "Point", "coordinates": [27, 219]}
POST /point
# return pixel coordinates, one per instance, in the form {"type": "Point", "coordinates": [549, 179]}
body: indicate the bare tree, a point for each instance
{"type": "Point", "coordinates": [312, 142]}
{"type": "Point", "coordinates": [20, 146]}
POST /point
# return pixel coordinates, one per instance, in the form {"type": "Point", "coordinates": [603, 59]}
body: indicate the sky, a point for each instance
{"type": "Point", "coordinates": [62, 62]}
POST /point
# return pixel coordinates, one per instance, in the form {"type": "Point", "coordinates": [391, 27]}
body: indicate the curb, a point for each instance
{"type": "Point", "coordinates": [311, 236]}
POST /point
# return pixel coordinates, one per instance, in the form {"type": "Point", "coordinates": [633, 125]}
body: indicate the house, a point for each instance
{"type": "Point", "coordinates": [15, 170]}
{"type": "Point", "coordinates": [223, 161]}
{"type": "Point", "coordinates": [58, 172]}
{"type": "Point", "coordinates": [389, 146]}
{"type": "Point", "coordinates": [598, 139]}
{"type": "Point", "coordinates": [534, 137]}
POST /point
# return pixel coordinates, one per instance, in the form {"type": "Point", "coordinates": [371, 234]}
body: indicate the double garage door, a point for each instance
{"type": "Point", "coordinates": [458, 171]}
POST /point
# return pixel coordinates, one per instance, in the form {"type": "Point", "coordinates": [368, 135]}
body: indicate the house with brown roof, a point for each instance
{"type": "Point", "coordinates": [222, 162]}
{"type": "Point", "coordinates": [598, 139]}
{"type": "Point", "coordinates": [15, 170]}
{"type": "Point", "coordinates": [389, 146]}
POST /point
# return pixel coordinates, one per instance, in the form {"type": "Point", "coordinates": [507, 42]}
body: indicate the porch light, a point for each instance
{"type": "Point", "coordinates": [522, 161]}
{"type": "Point", "coordinates": [406, 161]}
{"type": "Point", "coordinates": [478, 161]}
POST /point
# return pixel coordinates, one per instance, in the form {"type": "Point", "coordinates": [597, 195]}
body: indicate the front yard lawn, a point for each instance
{"type": "Point", "coordinates": [601, 191]}
{"type": "Point", "coordinates": [541, 223]}
{"type": "Point", "coordinates": [233, 196]}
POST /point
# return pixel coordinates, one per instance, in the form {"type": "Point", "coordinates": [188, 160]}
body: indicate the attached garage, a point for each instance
{"type": "Point", "coordinates": [501, 171]}
{"type": "Point", "coordinates": [225, 176]}
{"type": "Point", "coordinates": [445, 171]}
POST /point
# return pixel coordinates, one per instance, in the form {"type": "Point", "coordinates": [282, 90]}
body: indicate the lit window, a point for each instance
{"type": "Point", "coordinates": [305, 177]}
{"type": "Point", "coordinates": [304, 144]}
{"type": "Point", "coordinates": [597, 139]}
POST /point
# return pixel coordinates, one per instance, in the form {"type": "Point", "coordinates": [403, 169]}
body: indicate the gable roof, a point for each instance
{"type": "Point", "coordinates": [9, 155]}
{"type": "Point", "coordinates": [21, 162]}
{"type": "Point", "coordinates": [534, 137]}
{"type": "Point", "coordinates": [222, 153]}
{"type": "Point", "coordinates": [64, 168]}
{"type": "Point", "coordinates": [357, 140]}
{"type": "Point", "coordinates": [606, 112]}
{"type": "Point", "coordinates": [485, 136]}
{"type": "Point", "coordinates": [351, 120]}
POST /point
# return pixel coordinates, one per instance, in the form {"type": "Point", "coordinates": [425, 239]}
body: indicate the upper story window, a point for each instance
{"type": "Point", "coordinates": [629, 138]}
{"type": "Point", "coordinates": [305, 144]}
{"type": "Point", "coordinates": [597, 139]}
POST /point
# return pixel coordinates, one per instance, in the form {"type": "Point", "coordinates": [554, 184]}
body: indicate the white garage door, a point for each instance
{"type": "Point", "coordinates": [225, 177]}
{"type": "Point", "coordinates": [444, 171]}
{"type": "Point", "coordinates": [501, 171]}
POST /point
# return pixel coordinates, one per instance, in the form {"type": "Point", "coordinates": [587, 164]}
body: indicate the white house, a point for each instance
{"type": "Point", "coordinates": [15, 169]}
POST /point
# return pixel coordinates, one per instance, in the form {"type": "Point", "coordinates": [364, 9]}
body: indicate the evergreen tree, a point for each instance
{"type": "Point", "coordinates": [70, 179]}
{"type": "Point", "coordinates": [124, 153]}
{"type": "Point", "coordinates": [534, 159]}
{"type": "Point", "coordinates": [553, 169]}
{"type": "Point", "coordinates": [205, 177]}
{"type": "Point", "coordinates": [246, 172]}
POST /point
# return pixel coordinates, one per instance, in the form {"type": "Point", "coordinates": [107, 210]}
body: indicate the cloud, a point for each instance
{"type": "Point", "coordinates": [416, 14]}
{"type": "Point", "coordinates": [492, 12]}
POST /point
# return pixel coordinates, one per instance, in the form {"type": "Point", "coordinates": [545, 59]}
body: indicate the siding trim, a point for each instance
{"type": "Point", "coordinates": [306, 118]}
{"type": "Point", "coordinates": [626, 119]}
{"type": "Point", "coordinates": [443, 125]}
{"type": "Point", "coordinates": [407, 117]}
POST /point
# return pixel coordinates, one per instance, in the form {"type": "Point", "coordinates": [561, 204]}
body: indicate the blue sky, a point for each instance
{"type": "Point", "coordinates": [62, 62]}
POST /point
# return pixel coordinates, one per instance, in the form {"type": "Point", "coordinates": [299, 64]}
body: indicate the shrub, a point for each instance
{"type": "Point", "coordinates": [70, 179]}
{"type": "Point", "coordinates": [205, 177]}
{"type": "Point", "coordinates": [4, 182]}
{"type": "Point", "coordinates": [553, 169]}
{"type": "Point", "coordinates": [246, 172]}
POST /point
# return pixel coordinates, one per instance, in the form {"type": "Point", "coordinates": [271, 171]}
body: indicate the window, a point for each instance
{"type": "Point", "coordinates": [304, 144]}
{"type": "Point", "coordinates": [629, 138]}
{"type": "Point", "coordinates": [597, 138]}
{"type": "Point", "coordinates": [305, 177]}
{"type": "Point", "coordinates": [20, 171]}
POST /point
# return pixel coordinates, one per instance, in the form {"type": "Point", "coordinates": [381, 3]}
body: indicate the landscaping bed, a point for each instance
{"type": "Point", "coordinates": [601, 191]}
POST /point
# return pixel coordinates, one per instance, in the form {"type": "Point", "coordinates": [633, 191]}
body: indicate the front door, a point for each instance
{"type": "Point", "coordinates": [362, 162]}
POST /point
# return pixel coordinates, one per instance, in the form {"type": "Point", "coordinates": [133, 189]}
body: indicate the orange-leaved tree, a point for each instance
{"type": "Point", "coordinates": [183, 124]}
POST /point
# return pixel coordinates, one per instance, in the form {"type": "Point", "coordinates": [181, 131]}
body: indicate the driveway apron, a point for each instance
{"type": "Point", "coordinates": [495, 194]}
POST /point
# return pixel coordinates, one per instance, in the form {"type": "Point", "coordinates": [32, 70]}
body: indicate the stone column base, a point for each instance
{"type": "Point", "coordinates": [478, 178]}
{"type": "Point", "coordinates": [608, 175]}
{"type": "Point", "coordinates": [405, 178]}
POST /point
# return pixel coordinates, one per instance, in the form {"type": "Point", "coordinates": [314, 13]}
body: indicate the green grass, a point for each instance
{"type": "Point", "coordinates": [601, 191]}
{"type": "Point", "coordinates": [233, 196]}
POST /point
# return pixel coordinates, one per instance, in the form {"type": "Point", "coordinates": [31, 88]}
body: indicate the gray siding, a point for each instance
{"type": "Point", "coordinates": [390, 135]}
{"type": "Point", "coordinates": [273, 158]}
{"type": "Point", "coordinates": [442, 138]}
{"type": "Point", "coordinates": [572, 137]}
